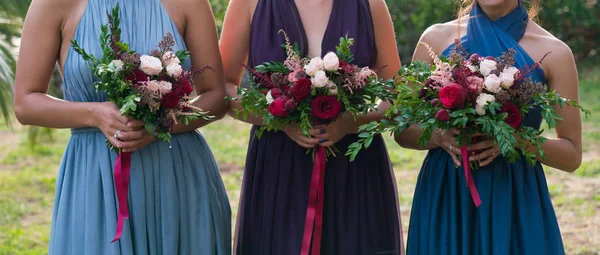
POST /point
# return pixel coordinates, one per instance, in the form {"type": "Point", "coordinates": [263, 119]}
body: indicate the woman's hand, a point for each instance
{"type": "Point", "coordinates": [134, 140]}
{"type": "Point", "coordinates": [488, 150]}
{"type": "Point", "coordinates": [295, 133]}
{"type": "Point", "coordinates": [446, 139]}
{"type": "Point", "coordinates": [331, 133]}
{"type": "Point", "coordinates": [110, 121]}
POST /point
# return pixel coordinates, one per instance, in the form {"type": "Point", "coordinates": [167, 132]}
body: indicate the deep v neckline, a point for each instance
{"type": "Point", "coordinates": [300, 24]}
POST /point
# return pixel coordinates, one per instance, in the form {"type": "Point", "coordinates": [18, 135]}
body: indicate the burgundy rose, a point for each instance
{"type": "Point", "coordinates": [347, 68]}
{"type": "Point", "coordinates": [514, 114]}
{"type": "Point", "coordinates": [185, 83]}
{"type": "Point", "coordinates": [286, 90]}
{"type": "Point", "coordinates": [277, 107]}
{"type": "Point", "coordinates": [326, 107]}
{"type": "Point", "coordinates": [291, 104]}
{"type": "Point", "coordinates": [442, 115]}
{"type": "Point", "coordinates": [452, 96]}
{"type": "Point", "coordinates": [435, 102]}
{"type": "Point", "coordinates": [136, 76]}
{"type": "Point", "coordinates": [276, 93]}
{"type": "Point", "coordinates": [474, 59]}
{"type": "Point", "coordinates": [170, 100]}
{"type": "Point", "coordinates": [302, 89]}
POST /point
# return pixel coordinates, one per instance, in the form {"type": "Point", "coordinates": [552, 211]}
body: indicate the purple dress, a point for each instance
{"type": "Point", "coordinates": [361, 214]}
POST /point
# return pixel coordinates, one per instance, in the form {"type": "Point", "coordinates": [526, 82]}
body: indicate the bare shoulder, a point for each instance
{"type": "Point", "coordinates": [54, 10]}
{"type": "Point", "coordinates": [557, 53]}
{"type": "Point", "coordinates": [440, 36]}
{"type": "Point", "coordinates": [377, 3]}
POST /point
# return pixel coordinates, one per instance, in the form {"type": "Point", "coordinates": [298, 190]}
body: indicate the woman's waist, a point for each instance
{"type": "Point", "coordinates": [280, 135]}
{"type": "Point", "coordinates": [89, 130]}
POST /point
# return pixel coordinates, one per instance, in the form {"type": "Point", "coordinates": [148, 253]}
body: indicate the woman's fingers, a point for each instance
{"type": "Point", "coordinates": [132, 135]}
{"type": "Point", "coordinates": [482, 145]}
{"type": "Point", "coordinates": [317, 132]}
{"type": "Point", "coordinates": [136, 124]}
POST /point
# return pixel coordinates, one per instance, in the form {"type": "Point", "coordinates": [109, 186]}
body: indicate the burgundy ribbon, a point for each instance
{"type": "Point", "coordinates": [122, 171]}
{"type": "Point", "coordinates": [314, 212]}
{"type": "Point", "coordinates": [469, 177]}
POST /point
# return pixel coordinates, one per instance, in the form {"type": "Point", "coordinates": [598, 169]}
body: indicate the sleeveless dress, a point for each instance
{"type": "Point", "coordinates": [361, 213]}
{"type": "Point", "coordinates": [516, 215]}
{"type": "Point", "coordinates": [177, 200]}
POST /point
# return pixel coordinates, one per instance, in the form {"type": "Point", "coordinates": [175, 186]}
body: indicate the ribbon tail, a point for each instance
{"type": "Point", "coordinates": [122, 173]}
{"type": "Point", "coordinates": [316, 247]}
{"type": "Point", "coordinates": [314, 211]}
{"type": "Point", "coordinates": [469, 177]}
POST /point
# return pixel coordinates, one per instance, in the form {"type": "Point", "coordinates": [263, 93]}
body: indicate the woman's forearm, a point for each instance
{"type": "Point", "coordinates": [409, 138]}
{"type": "Point", "coordinates": [213, 102]}
{"type": "Point", "coordinates": [40, 109]}
{"type": "Point", "coordinates": [235, 107]}
{"type": "Point", "coordinates": [378, 115]}
{"type": "Point", "coordinates": [560, 153]}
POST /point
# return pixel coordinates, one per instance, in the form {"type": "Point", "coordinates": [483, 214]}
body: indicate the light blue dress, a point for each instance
{"type": "Point", "coordinates": [177, 200]}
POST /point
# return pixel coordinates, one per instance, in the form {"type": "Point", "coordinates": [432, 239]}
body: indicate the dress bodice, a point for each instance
{"type": "Point", "coordinates": [143, 24]}
{"type": "Point", "coordinates": [492, 38]}
{"type": "Point", "coordinates": [352, 17]}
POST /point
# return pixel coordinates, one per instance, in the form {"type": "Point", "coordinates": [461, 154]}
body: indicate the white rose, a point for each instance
{"type": "Point", "coordinates": [482, 100]}
{"type": "Point", "coordinates": [333, 89]}
{"type": "Point", "coordinates": [479, 110]}
{"type": "Point", "coordinates": [487, 66]}
{"type": "Point", "coordinates": [320, 79]}
{"type": "Point", "coordinates": [472, 67]}
{"type": "Point", "coordinates": [118, 65]}
{"type": "Point", "coordinates": [165, 86]}
{"type": "Point", "coordinates": [315, 64]}
{"type": "Point", "coordinates": [174, 70]}
{"type": "Point", "coordinates": [331, 62]}
{"type": "Point", "coordinates": [511, 70]}
{"type": "Point", "coordinates": [150, 65]}
{"type": "Point", "coordinates": [507, 80]}
{"type": "Point", "coordinates": [270, 98]}
{"type": "Point", "coordinates": [492, 83]}
{"type": "Point", "coordinates": [170, 58]}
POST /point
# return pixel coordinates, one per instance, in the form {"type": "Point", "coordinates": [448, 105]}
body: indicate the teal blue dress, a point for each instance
{"type": "Point", "coordinates": [177, 200]}
{"type": "Point", "coordinates": [516, 215]}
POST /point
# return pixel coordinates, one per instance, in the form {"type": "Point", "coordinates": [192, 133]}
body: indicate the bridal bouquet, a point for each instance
{"type": "Point", "coordinates": [313, 91]}
{"type": "Point", "coordinates": [153, 88]}
{"type": "Point", "coordinates": [475, 95]}
{"type": "Point", "coordinates": [310, 92]}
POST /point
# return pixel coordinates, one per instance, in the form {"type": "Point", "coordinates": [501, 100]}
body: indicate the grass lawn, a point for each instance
{"type": "Point", "coordinates": [27, 180]}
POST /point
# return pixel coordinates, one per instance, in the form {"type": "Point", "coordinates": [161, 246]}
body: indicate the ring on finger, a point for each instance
{"type": "Point", "coordinates": [493, 152]}
{"type": "Point", "coordinates": [450, 148]}
{"type": "Point", "coordinates": [117, 134]}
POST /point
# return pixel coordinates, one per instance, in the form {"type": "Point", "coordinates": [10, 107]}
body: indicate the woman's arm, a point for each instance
{"type": "Point", "coordinates": [565, 151]}
{"type": "Point", "coordinates": [408, 138]}
{"type": "Point", "coordinates": [234, 44]}
{"type": "Point", "coordinates": [440, 138]}
{"type": "Point", "coordinates": [200, 35]}
{"type": "Point", "coordinates": [388, 59]}
{"type": "Point", "coordinates": [35, 65]}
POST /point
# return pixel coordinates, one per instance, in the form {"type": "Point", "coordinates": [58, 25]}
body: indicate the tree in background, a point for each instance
{"type": "Point", "coordinates": [11, 21]}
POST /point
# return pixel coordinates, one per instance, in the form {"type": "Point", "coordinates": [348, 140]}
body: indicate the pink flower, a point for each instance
{"type": "Point", "coordinates": [169, 58]}
{"type": "Point", "coordinates": [475, 84]}
{"type": "Point", "coordinates": [150, 65]}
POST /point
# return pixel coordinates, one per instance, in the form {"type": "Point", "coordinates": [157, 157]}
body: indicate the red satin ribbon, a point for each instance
{"type": "Point", "coordinates": [469, 177]}
{"type": "Point", "coordinates": [122, 172]}
{"type": "Point", "coordinates": [314, 212]}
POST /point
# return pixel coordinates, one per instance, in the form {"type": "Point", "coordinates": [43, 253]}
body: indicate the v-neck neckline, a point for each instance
{"type": "Point", "coordinates": [300, 25]}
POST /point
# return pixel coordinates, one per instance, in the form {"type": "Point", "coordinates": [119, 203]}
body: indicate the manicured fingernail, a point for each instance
{"type": "Point", "coordinates": [322, 131]}
{"type": "Point", "coordinates": [321, 140]}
